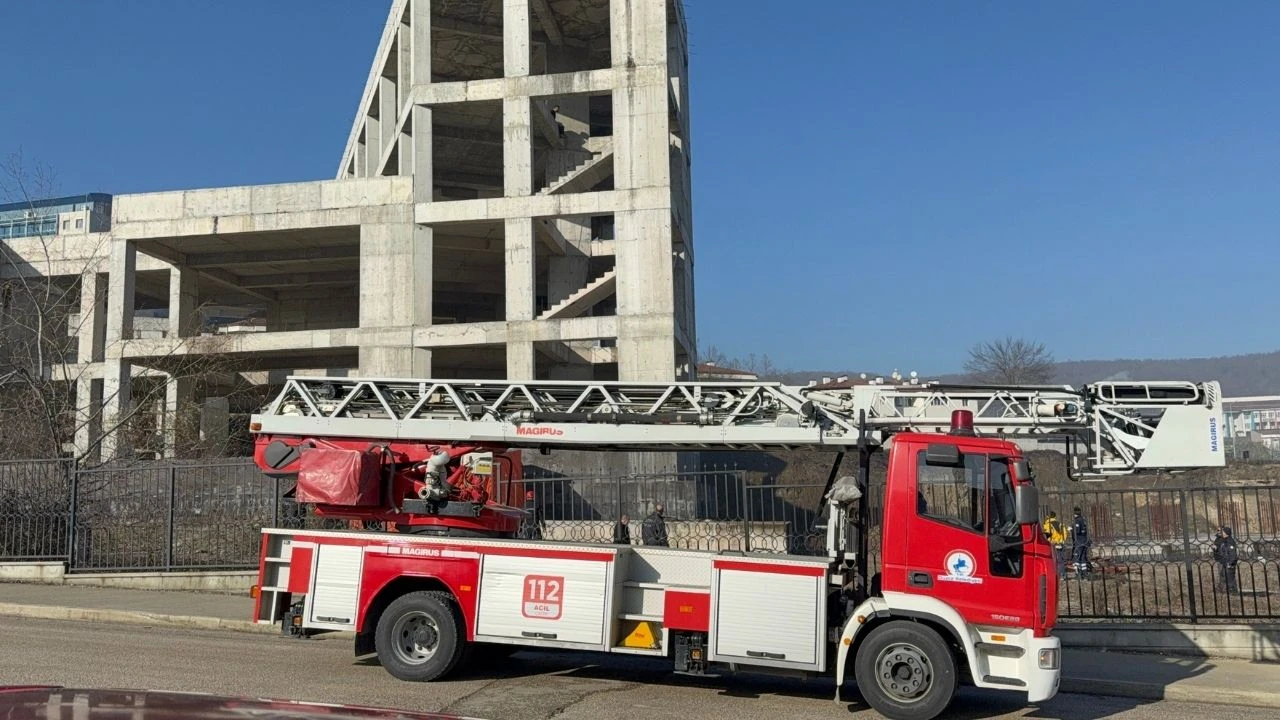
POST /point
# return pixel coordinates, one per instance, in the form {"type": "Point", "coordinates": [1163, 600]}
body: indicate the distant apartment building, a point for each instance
{"type": "Point", "coordinates": [56, 216]}
{"type": "Point", "coordinates": [1252, 421]}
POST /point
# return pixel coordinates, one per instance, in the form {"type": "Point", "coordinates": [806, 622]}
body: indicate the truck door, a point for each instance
{"type": "Point", "coordinates": [962, 541]}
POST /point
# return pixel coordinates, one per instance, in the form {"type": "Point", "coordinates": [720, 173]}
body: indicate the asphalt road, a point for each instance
{"type": "Point", "coordinates": [529, 686]}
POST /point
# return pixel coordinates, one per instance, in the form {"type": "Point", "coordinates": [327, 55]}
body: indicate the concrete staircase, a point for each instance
{"type": "Point", "coordinates": [584, 299]}
{"type": "Point", "coordinates": [585, 175]}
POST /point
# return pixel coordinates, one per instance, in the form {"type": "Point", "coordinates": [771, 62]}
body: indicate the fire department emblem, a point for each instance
{"type": "Point", "coordinates": [960, 567]}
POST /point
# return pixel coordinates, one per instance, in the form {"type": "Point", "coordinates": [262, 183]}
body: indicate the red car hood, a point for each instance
{"type": "Point", "coordinates": [59, 703]}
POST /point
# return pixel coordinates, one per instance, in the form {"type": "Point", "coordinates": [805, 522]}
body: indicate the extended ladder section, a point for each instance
{"type": "Point", "coordinates": [1123, 427]}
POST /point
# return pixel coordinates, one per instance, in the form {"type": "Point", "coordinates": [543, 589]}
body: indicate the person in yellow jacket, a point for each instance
{"type": "Point", "coordinates": [1057, 537]}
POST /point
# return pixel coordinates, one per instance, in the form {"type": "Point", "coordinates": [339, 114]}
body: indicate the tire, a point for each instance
{"type": "Point", "coordinates": [419, 637]}
{"type": "Point", "coordinates": [905, 671]}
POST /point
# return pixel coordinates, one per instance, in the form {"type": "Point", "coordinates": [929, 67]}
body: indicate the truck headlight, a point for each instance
{"type": "Point", "coordinates": [1048, 659]}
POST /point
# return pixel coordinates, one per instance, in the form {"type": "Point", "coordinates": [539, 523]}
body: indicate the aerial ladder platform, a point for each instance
{"type": "Point", "coordinates": [1108, 428]}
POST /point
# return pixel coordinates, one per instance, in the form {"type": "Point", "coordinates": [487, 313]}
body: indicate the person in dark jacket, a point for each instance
{"type": "Point", "coordinates": [1227, 555]}
{"type": "Point", "coordinates": [622, 531]}
{"type": "Point", "coordinates": [1080, 543]}
{"type": "Point", "coordinates": [654, 529]}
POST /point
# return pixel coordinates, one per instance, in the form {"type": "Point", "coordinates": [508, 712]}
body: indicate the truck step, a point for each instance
{"type": "Point", "coordinates": [638, 616]}
{"type": "Point", "coordinates": [638, 651]}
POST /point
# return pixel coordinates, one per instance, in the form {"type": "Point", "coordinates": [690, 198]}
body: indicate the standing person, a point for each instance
{"type": "Point", "coordinates": [622, 531]}
{"type": "Point", "coordinates": [1080, 543]}
{"type": "Point", "coordinates": [654, 530]}
{"type": "Point", "coordinates": [1227, 554]}
{"type": "Point", "coordinates": [1057, 537]}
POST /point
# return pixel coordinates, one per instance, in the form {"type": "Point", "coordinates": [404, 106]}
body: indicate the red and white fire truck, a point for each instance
{"type": "Point", "coordinates": [966, 590]}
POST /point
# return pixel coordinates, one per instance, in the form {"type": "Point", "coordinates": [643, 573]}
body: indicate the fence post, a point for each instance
{"type": "Point", "coordinates": [1186, 556]}
{"type": "Point", "coordinates": [168, 548]}
{"type": "Point", "coordinates": [74, 510]}
{"type": "Point", "coordinates": [746, 512]}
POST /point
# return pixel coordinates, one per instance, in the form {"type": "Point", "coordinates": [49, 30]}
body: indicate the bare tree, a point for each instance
{"type": "Point", "coordinates": [1011, 361]}
{"type": "Point", "coordinates": [41, 322]}
{"type": "Point", "coordinates": [762, 366]}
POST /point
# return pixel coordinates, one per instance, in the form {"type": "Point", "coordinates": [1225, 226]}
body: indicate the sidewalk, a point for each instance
{"type": "Point", "coordinates": [1149, 677]}
{"type": "Point", "coordinates": [205, 611]}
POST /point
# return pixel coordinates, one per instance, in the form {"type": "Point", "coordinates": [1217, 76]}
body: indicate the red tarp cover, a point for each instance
{"type": "Point", "coordinates": [336, 476]}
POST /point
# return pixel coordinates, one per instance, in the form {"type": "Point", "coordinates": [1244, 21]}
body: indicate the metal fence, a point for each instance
{"type": "Point", "coordinates": [1151, 552]}
{"type": "Point", "coordinates": [161, 516]}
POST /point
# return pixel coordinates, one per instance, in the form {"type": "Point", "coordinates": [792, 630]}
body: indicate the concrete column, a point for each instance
{"type": "Point", "coordinates": [183, 300]}
{"type": "Point", "coordinates": [515, 37]}
{"type": "Point", "coordinates": [641, 138]}
{"type": "Point", "coordinates": [180, 415]}
{"type": "Point", "coordinates": [422, 157]}
{"type": "Point", "coordinates": [641, 131]}
{"type": "Point", "coordinates": [120, 296]}
{"type": "Point", "coordinates": [117, 372]}
{"type": "Point", "coordinates": [116, 405]}
{"type": "Point", "coordinates": [420, 31]}
{"type": "Point", "coordinates": [388, 114]}
{"type": "Point", "coordinates": [517, 147]}
{"type": "Point", "coordinates": [372, 145]}
{"type": "Point", "coordinates": [518, 243]}
{"type": "Point", "coordinates": [638, 32]}
{"type": "Point", "coordinates": [646, 312]}
{"type": "Point", "coordinates": [520, 360]}
{"type": "Point", "coordinates": [88, 416]}
{"type": "Point", "coordinates": [404, 61]}
{"type": "Point", "coordinates": [93, 317]}
{"type": "Point", "coordinates": [395, 292]}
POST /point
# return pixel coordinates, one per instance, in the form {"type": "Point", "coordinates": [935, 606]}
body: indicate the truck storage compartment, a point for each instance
{"type": "Point", "coordinates": [552, 601]}
{"type": "Point", "coordinates": [335, 589]}
{"type": "Point", "coordinates": [337, 476]}
{"type": "Point", "coordinates": [768, 615]}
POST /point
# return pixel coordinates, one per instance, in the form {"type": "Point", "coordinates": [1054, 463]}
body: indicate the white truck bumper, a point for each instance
{"type": "Point", "coordinates": [1006, 660]}
{"type": "Point", "coordinates": [1042, 682]}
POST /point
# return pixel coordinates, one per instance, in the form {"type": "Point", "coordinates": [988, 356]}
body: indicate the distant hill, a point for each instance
{"type": "Point", "coordinates": [1257, 374]}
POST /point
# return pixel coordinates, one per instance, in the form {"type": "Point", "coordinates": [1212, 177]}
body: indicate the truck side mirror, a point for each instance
{"type": "Point", "coordinates": [1027, 500]}
{"type": "Point", "coordinates": [1022, 470]}
{"type": "Point", "coordinates": [943, 454]}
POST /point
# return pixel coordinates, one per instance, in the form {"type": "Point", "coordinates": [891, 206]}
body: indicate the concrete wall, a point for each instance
{"type": "Point", "coordinates": [232, 582]}
{"type": "Point", "coordinates": [1256, 641]}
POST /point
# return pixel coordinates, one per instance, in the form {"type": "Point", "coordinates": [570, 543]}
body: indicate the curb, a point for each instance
{"type": "Point", "coordinates": [1200, 694]}
{"type": "Point", "coordinates": [55, 612]}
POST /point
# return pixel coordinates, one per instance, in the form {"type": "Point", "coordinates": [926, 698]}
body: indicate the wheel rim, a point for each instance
{"type": "Point", "coordinates": [417, 638]}
{"type": "Point", "coordinates": [904, 672]}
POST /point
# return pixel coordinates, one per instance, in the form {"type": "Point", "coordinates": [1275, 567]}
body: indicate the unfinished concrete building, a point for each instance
{"type": "Point", "coordinates": [513, 201]}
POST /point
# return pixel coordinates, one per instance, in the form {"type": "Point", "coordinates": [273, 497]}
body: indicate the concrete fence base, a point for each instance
{"type": "Point", "coordinates": [231, 582]}
{"type": "Point", "coordinates": [1259, 642]}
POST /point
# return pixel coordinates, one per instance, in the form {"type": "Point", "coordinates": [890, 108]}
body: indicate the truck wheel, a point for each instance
{"type": "Point", "coordinates": [419, 636]}
{"type": "Point", "coordinates": [905, 671]}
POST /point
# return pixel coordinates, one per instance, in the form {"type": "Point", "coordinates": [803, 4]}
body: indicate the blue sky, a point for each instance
{"type": "Point", "coordinates": [877, 185]}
